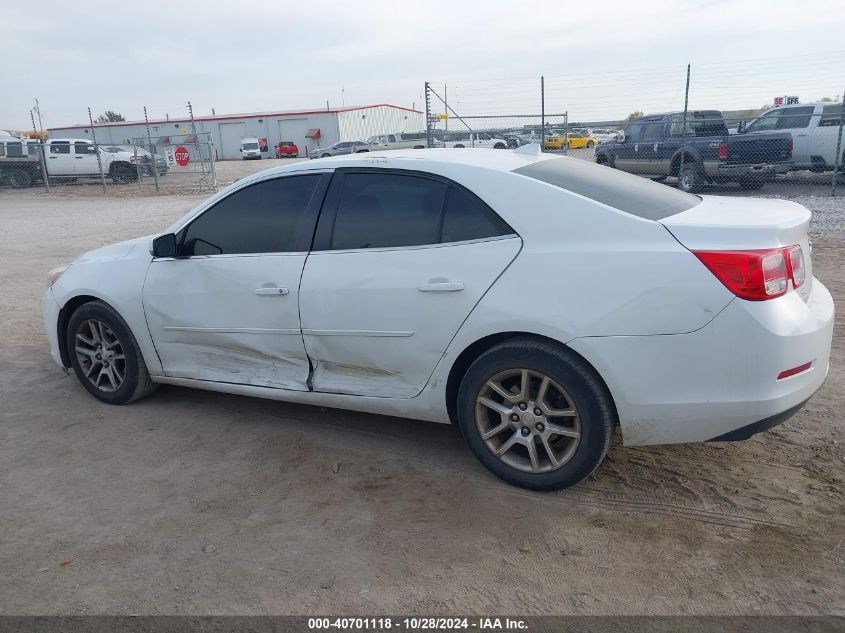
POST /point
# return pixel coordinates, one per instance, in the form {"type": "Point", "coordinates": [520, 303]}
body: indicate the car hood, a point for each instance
{"type": "Point", "coordinates": [117, 251]}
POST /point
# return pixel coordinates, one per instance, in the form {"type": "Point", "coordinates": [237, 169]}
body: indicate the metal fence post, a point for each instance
{"type": "Point", "coordinates": [428, 140]}
{"type": "Point", "coordinates": [838, 157]}
{"type": "Point", "coordinates": [97, 149]}
{"type": "Point", "coordinates": [542, 113]}
{"type": "Point", "coordinates": [684, 129]}
{"type": "Point", "coordinates": [41, 158]}
{"type": "Point", "coordinates": [152, 147]}
{"type": "Point", "coordinates": [210, 146]}
{"type": "Point", "coordinates": [566, 133]}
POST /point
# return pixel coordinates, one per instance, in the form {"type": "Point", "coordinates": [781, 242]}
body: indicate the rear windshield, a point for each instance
{"type": "Point", "coordinates": [632, 194]}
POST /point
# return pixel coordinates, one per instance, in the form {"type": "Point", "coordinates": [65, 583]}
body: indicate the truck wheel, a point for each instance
{"type": "Point", "coordinates": [751, 184]}
{"type": "Point", "coordinates": [459, 146]}
{"type": "Point", "coordinates": [123, 174]}
{"type": "Point", "coordinates": [20, 179]}
{"type": "Point", "coordinates": [689, 178]}
{"type": "Point", "coordinates": [602, 159]}
{"type": "Point", "coordinates": [500, 146]}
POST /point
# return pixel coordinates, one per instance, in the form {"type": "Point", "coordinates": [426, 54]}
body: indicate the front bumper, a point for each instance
{"type": "Point", "coordinates": [706, 384]}
{"type": "Point", "coordinates": [50, 314]}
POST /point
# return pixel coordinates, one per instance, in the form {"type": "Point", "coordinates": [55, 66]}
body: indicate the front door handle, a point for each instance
{"type": "Point", "coordinates": [441, 286]}
{"type": "Point", "coordinates": [272, 291]}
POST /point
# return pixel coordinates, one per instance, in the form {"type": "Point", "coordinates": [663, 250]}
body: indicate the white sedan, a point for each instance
{"type": "Point", "coordinates": [535, 301]}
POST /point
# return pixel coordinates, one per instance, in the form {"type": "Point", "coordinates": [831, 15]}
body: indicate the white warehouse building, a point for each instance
{"type": "Point", "coordinates": [309, 129]}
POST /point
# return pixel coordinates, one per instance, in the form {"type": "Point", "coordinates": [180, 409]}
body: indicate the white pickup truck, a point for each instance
{"type": "Point", "coordinates": [400, 140]}
{"type": "Point", "coordinates": [65, 159]}
{"type": "Point", "coordinates": [471, 139]}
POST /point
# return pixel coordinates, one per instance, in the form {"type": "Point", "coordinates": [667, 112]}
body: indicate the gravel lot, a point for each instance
{"type": "Point", "coordinates": [194, 502]}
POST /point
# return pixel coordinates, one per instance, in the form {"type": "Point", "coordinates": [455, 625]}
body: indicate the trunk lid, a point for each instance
{"type": "Point", "coordinates": [721, 223]}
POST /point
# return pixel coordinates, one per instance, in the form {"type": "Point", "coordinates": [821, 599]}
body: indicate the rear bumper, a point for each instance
{"type": "Point", "coordinates": [721, 380]}
{"type": "Point", "coordinates": [760, 170]}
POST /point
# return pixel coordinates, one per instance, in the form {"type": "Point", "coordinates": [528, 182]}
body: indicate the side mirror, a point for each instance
{"type": "Point", "coordinates": [620, 136]}
{"type": "Point", "coordinates": [164, 245]}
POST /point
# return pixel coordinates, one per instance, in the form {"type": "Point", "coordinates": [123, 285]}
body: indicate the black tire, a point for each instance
{"type": "Point", "coordinates": [20, 179]}
{"type": "Point", "coordinates": [658, 178]}
{"type": "Point", "coordinates": [602, 159]}
{"type": "Point", "coordinates": [590, 145]}
{"type": "Point", "coordinates": [500, 146]}
{"type": "Point", "coordinates": [136, 383]}
{"type": "Point", "coordinates": [123, 174]}
{"type": "Point", "coordinates": [751, 184]}
{"type": "Point", "coordinates": [585, 392]}
{"type": "Point", "coordinates": [690, 177]}
{"type": "Point", "coordinates": [459, 146]}
{"type": "Point", "coordinates": [325, 155]}
{"type": "Point", "coordinates": [419, 146]}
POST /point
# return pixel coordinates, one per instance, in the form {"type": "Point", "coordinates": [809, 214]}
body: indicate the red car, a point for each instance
{"type": "Point", "coordinates": [287, 149]}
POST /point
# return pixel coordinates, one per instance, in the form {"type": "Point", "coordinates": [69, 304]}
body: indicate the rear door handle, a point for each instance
{"type": "Point", "coordinates": [441, 286]}
{"type": "Point", "coordinates": [272, 291]}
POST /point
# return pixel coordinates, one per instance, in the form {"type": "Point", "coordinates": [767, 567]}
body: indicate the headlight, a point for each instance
{"type": "Point", "coordinates": [54, 275]}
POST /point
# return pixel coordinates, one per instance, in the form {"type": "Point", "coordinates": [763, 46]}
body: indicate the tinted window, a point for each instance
{"type": "Point", "coordinates": [83, 148]}
{"type": "Point", "coordinates": [652, 131]}
{"type": "Point", "coordinates": [33, 149]}
{"type": "Point", "coordinates": [626, 192]}
{"type": "Point", "coordinates": [830, 116]}
{"type": "Point", "coordinates": [632, 132]}
{"type": "Point", "coordinates": [384, 210]}
{"type": "Point", "coordinates": [465, 219]}
{"type": "Point", "coordinates": [2, 149]}
{"type": "Point", "coordinates": [792, 118]}
{"type": "Point", "coordinates": [267, 217]}
{"type": "Point", "coordinates": [14, 149]}
{"type": "Point", "coordinates": [60, 147]}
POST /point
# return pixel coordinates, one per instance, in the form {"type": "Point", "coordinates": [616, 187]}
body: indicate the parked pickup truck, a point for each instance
{"type": "Point", "coordinates": [70, 159]}
{"type": "Point", "coordinates": [400, 140]}
{"type": "Point", "coordinates": [657, 146]}
{"type": "Point", "coordinates": [471, 139]}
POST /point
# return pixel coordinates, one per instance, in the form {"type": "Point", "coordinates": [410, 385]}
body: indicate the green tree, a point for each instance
{"type": "Point", "coordinates": [110, 117]}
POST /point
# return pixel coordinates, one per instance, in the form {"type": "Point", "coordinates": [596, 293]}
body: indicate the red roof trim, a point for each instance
{"type": "Point", "coordinates": [235, 116]}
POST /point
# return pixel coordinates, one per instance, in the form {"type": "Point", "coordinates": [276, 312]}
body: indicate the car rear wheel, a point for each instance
{"type": "Point", "coordinates": [535, 415]}
{"type": "Point", "coordinates": [123, 174]}
{"type": "Point", "coordinates": [325, 155]}
{"type": "Point", "coordinates": [500, 146]}
{"type": "Point", "coordinates": [459, 146]}
{"type": "Point", "coordinates": [590, 144]}
{"type": "Point", "coordinates": [689, 178]}
{"type": "Point", "coordinates": [105, 356]}
{"type": "Point", "coordinates": [20, 179]}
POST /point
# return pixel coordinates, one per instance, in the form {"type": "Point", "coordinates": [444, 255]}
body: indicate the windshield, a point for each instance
{"type": "Point", "coordinates": [250, 145]}
{"type": "Point", "coordinates": [632, 194]}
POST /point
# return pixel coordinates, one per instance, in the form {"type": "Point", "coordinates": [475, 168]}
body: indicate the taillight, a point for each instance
{"type": "Point", "coordinates": [759, 274]}
{"type": "Point", "coordinates": [723, 151]}
{"type": "Point", "coordinates": [796, 265]}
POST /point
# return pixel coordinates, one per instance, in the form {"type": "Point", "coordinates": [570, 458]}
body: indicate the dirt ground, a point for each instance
{"type": "Point", "coordinates": [192, 502]}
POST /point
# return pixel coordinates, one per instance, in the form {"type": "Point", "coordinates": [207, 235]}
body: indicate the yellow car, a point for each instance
{"type": "Point", "coordinates": [576, 141]}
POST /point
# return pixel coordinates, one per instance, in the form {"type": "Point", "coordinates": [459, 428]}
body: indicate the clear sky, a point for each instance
{"type": "Point", "coordinates": [601, 59]}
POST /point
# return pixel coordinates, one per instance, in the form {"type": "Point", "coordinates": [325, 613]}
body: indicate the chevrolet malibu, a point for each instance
{"type": "Point", "coordinates": [535, 301]}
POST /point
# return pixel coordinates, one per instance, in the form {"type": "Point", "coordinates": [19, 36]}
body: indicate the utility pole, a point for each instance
{"type": "Point", "coordinates": [38, 112]}
{"type": "Point", "coordinates": [41, 155]}
{"type": "Point", "coordinates": [97, 149]}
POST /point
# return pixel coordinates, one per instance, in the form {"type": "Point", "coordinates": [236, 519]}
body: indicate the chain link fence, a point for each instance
{"type": "Point", "coordinates": [674, 125]}
{"type": "Point", "coordinates": [129, 158]}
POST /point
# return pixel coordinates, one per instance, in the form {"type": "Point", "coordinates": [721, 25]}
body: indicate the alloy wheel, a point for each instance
{"type": "Point", "coordinates": [528, 420]}
{"type": "Point", "coordinates": [100, 355]}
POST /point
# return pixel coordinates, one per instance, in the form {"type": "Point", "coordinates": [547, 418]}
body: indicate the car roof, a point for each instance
{"type": "Point", "coordinates": [500, 160]}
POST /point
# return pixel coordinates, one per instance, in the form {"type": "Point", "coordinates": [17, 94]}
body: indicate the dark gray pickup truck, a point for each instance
{"type": "Point", "coordinates": [659, 145]}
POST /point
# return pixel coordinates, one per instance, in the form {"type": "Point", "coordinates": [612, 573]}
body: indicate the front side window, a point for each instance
{"type": "Point", "coordinates": [632, 131]}
{"type": "Point", "coordinates": [83, 148]}
{"type": "Point", "coordinates": [391, 138]}
{"type": "Point", "coordinates": [831, 116]}
{"type": "Point", "coordinates": [60, 147]}
{"type": "Point", "coordinates": [652, 132]}
{"type": "Point", "coordinates": [267, 217]}
{"type": "Point", "coordinates": [395, 210]}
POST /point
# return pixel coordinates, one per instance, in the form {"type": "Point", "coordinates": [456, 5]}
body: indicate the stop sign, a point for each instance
{"type": "Point", "coordinates": [182, 156]}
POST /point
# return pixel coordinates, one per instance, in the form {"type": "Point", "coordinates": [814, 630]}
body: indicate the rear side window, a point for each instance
{"type": "Point", "coordinates": [830, 116]}
{"type": "Point", "coordinates": [795, 118]}
{"type": "Point", "coordinates": [60, 147]}
{"type": "Point", "coordinates": [384, 210]}
{"type": "Point", "coordinates": [267, 217]}
{"type": "Point", "coordinates": [632, 194]}
{"type": "Point", "coordinates": [464, 218]}
{"type": "Point", "coordinates": [14, 149]}
{"type": "Point", "coordinates": [390, 210]}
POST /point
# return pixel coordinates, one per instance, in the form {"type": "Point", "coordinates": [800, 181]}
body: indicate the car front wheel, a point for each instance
{"type": "Point", "coordinates": [105, 356]}
{"type": "Point", "coordinates": [535, 415]}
